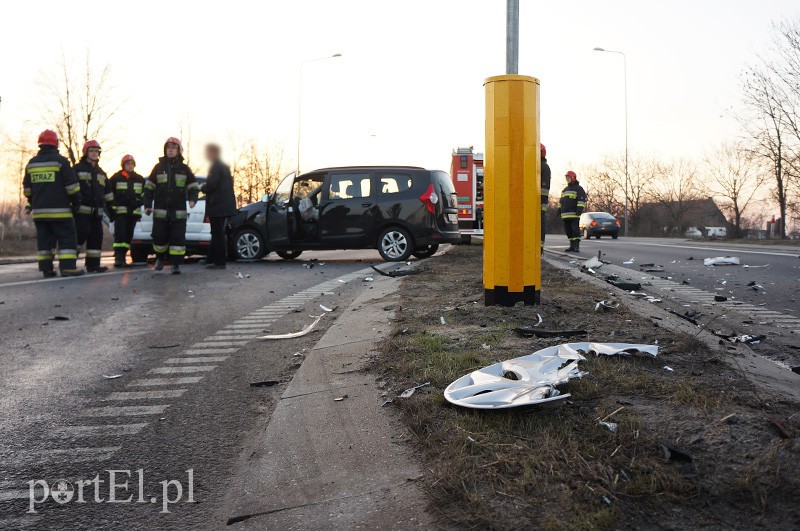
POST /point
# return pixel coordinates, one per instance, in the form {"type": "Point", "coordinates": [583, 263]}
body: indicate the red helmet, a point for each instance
{"type": "Point", "coordinates": [173, 140]}
{"type": "Point", "coordinates": [543, 150]}
{"type": "Point", "coordinates": [127, 158]}
{"type": "Point", "coordinates": [90, 144]}
{"type": "Point", "coordinates": [48, 137]}
{"type": "Point", "coordinates": [571, 175]}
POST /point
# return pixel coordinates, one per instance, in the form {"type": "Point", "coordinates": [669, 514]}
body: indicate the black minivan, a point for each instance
{"type": "Point", "coordinates": [398, 210]}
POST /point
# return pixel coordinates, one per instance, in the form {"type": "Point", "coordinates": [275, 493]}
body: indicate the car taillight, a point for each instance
{"type": "Point", "coordinates": [617, 222]}
{"type": "Point", "coordinates": [429, 199]}
{"type": "Point", "coordinates": [594, 223]}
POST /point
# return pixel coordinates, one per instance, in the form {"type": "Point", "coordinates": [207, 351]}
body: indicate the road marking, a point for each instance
{"type": "Point", "coordinates": [60, 279]}
{"type": "Point", "coordinates": [247, 327]}
{"type": "Point", "coordinates": [146, 395]}
{"type": "Point", "coordinates": [145, 382]}
{"type": "Point", "coordinates": [236, 335]}
{"type": "Point", "coordinates": [182, 370]}
{"type": "Point", "coordinates": [68, 454]}
{"type": "Point", "coordinates": [124, 411]}
{"type": "Point", "coordinates": [206, 350]}
{"type": "Point", "coordinates": [8, 495]}
{"type": "Point", "coordinates": [207, 343]}
{"type": "Point", "coordinates": [101, 430]}
{"type": "Point", "coordinates": [197, 359]}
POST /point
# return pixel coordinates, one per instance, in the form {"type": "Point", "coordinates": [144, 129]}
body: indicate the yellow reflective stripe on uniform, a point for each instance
{"type": "Point", "coordinates": [121, 245]}
{"type": "Point", "coordinates": [121, 185]}
{"type": "Point", "coordinates": [45, 255]}
{"type": "Point", "coordinates": [571, 195]}
{"type": "Point", "coordinates": [64, 255]}
{"type": "Point", "coordinates": [159, 213]}
{"type": "Point", "coordinates": [51, 213]}
{"type": "Point", "coordinates": [161, 178]}
{"type": "Point", "coordinates": [73, 186]}
{"type": "Point", "coordinates": [137, 187]}
{"type": "Point", "coordinates": [149, 185]}
{"type": "Point", "coordinates": [180, 214]}
{"type": "Point", "coordinates": [160, 248]}
{"type": "Point", "coordinates": [84, 209]}
{"type": "Point", "coordinates": [109, 197]}
{"type": "Point", "coordinates": [45, 164]}
{"type": "Point", "coordinates": [101, 179]}
{"type": "Point", "coordinates": [27, 192]}
{"type": "Point", "coordinates": [121, 209]}
{"type": "Point", "coordinates": [84, 175]}
{"type": "Point", "coordinates": [93, 253]}
{"type": "Point", "coordinates": [137, 212]}
{"type": "Point", "coordinates": [177, 251]}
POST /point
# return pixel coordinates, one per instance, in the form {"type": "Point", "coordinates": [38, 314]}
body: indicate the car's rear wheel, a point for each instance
{"type": "Point", "coordinates": [426, 251]}
{"type": "Point", "coordinates": [395, 244]}
{"type": "Point", "coordinates": [586, 234]}
{"type": "Point", "coordinates": [614, 236]}
{"type": "Point", "coordinates": [289, 255]}
{"type": "Point", "coordinates": [249, 244]}
{"type": "Point", "coordinates": [139, 254]}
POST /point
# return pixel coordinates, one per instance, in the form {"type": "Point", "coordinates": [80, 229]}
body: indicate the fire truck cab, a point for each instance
{"type": "Point", "coordinates": [466, 171]}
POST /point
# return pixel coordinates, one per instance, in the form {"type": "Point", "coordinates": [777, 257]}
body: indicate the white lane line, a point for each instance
{"type": "Point", "coordinates": [124, 411]}
{"type": "Point", "coordinates": [210, 350]}
{"type": "Point", "coordinates": [197, 359]}
{"type": "Point", "coordinates": [182, 370]}
{"type": "Point", "coordinates": [60, 279]}
{"type": "Point", "coordinates": [253, 327]}
{"type": "Point", "coordinates": [146, 382]}
{"type": "Point", "coordinates": [101, 430]}
{"type": "Point", "coordinates": [716, 249]}
{"type": "Point", "coordinates": [146, 395]}
{"type": "Point", "coordinates": [8, 495]}
{"type": "Point", "coordinates": [69, 454]}
{"type": "Point", "coordinates": [220, 344]}
{"type": "Point", "coordinates": [236, 335]}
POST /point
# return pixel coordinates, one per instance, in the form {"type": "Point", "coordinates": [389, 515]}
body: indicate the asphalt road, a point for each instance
{"type": "Point", "coordinates": [770, 308]}
{"type": "Point", "coordinates": [139, 370]}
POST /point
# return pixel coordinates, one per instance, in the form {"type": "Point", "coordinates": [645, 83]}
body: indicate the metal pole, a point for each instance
{"type": "Point", "coordinates": [512, 36]}
{"type": "Point", "coordinates": [625, 72]}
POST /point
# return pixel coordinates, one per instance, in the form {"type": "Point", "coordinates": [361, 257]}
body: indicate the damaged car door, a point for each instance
{"type": "Point", "coordinates": [278, 212]}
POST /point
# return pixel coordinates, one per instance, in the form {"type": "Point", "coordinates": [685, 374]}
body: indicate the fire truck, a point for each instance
{"type": "Point", "coordinates": [466, 170]}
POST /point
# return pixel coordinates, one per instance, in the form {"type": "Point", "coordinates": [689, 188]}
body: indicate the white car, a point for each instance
{"type": "Point", "coordinates": [198, 231]}
{"type": "Point", "coordinates": [693, 232]}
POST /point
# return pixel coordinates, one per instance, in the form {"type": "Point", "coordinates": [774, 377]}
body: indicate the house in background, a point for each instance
{"type": "Point", "coordinates": [673, 218]}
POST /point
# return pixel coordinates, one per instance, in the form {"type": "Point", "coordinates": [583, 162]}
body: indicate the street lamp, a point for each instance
{"type": "Point", "coordinates": [300, 98]}
{"type": "Point", "coordinates": [625, 73]}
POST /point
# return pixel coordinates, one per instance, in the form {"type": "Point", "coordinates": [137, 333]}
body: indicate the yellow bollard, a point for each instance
{"type": "Point", "coordinates": [512, 209]}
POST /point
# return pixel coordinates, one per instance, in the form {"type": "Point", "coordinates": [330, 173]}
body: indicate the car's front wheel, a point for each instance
{"type": "Point", "coordinates": [395, 244]}
{"type": "Point", "coordinates": [426, 251]}
{"type": "Point", "coordinates": [586, 234]}
{"type": "Point", "coordinates": [249, 244]}
{"type": "Point", "coordinates": [288, 255]}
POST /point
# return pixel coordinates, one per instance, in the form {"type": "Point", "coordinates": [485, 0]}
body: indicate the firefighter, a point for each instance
{"type": "Point", "coordinates": [166, 190]}
{"type": "Point", "coordinates": [545, 189]}
{"type": "Point", "coordinates": [89, 218]}
{"type": "Point", "coordinates": [53, 194]}
{"type": "Point", "coordinates": [573, 201]}
{"type": "Point", "coordinates": [124, 201]}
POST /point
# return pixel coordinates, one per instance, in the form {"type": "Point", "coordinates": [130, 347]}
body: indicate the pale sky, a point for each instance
{"type": "Point", "coordinates": [409, 85]}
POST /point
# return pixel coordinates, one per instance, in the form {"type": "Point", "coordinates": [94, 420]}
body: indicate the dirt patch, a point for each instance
{"type": "Point", "coordinates": [695, 446]}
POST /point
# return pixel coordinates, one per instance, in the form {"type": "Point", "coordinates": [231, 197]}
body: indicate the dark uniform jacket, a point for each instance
{"type": "Point", "coordinates": [93, 188]}
{"type": "Point", "coordinates": [545, 184]}
{"type": "Point", "coordinates": [50, 185]}
{"type": "Point", "coordinates": [220, 201]}
{"type": "Point", "coordinates": [169, 186]}
{"type": "Point", "coordinates": [125, 191]}
{"type": "Point", "coordinates": [573, 201]}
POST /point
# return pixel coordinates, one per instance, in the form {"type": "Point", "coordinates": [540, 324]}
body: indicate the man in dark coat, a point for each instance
{"type": "Point", "coordinates": [220, 205]}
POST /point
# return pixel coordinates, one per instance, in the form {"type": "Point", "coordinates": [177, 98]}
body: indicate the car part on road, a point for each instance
{"type": "Point", "coordinates": [59, 318]}
{"type": "Point", "coordinates": [592, 263]}
{"type": "Point", "coordinates": [287, 254]}
{"type": "Point", "coordinates": [395, 244]}
{"type": "Point", "coordinates": [614, 280]}
{"type": "Point", "coordinates": [112, 377]}
{"type": "Point", "coordinates": [249, 244]}
{"type": "Point", "coordinates": [326, 309]}
{"type": "Point", "coordinates": [531, 379]}
{"type": "Point", "coordinates": [755, 267]}
{"type": "Point", "coordinates": [426, 251]}
{"type": "Point", "coordinates": [528, 332]}
{"type": "Point", "coordinates": [291, 335]}
{"type": "Point", "coordinates": [722, 260]}
{"type": "Point", "coordinates": [266, 383]}
{"type": "Point", "coordinates": [400, 272]}
{"type": "Point", "coordinates": [410, 391]}
{"type": "Point", "coordinates": [651, 268]}
{"type": "Point", "coordinates": [606, 305]}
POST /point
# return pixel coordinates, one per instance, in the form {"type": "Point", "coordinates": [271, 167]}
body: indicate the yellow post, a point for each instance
{"type": "Point", "coordinates": [512, 187]}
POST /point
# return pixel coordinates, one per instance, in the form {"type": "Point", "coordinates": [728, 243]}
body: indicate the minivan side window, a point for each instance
{"type": "Point", "coordinates": [394, 183]}
{"type": "Point", "coordinates": [349, 186]}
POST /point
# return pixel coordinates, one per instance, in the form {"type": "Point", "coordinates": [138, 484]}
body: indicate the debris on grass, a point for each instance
{"type": "Point", "coordinates": [291, 335]}
{"type": "Point", "coordinates": [606, 305]}
{"type": "Point", "coordinates": [668, 368]}
{"type": "Point", "coordinates": [527, 331]}
{"type": "Point", "coordinates": [410, 391]}
{"type": "Point", "coordinates": [610, 426]}
{"type": "Point", "coordinates": [722, 261]}
{"type": "Point", "coordinates": [441, 319]}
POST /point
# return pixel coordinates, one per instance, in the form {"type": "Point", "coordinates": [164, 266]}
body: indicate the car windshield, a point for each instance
{"type": "Point", "coordinates": [602, 216]}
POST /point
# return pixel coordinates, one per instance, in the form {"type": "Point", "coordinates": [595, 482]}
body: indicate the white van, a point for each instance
{"type": "Point", "coordinates": [198, 231]}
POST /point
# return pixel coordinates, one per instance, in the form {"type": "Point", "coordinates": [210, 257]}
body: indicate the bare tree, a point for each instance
{"type": "Point", "coordinates": [677, 192]}
{"type": "Point", "coordinates": [81, 103]}
{"type": "Point", "coordinates": [256, 171]}
{"type": "Point", "coordinates": [603, 192]}
{"type": "Point", "coordinates": [18, 151]}
{"type": "Point", "coordinates": [643, 172]}
{"type": "Point", "coordinates": [734, 178]}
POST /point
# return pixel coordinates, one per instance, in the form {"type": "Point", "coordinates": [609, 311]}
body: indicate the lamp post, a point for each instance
{"type": "Point", "coordinates": [625, 74]}
{"type": "Point", "coordinates": [300, 99]}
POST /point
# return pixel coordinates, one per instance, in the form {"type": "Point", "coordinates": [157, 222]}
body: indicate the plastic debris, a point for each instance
{"type": "Point", "coordinates": [611, 426]}
{"type": "Point", "coordinates": [722, 260]}
{"type": "Point", "coordinates": [668, 368]}
{"type": "Point", "coordinates": [399, 273]}
{"type": "Point", "coordinates": [486, 347]}
{"type": "Point", "coordinates": [340, 398]}
{"type": "Point", "coordinates": [369, 279]}
{"type": "Point", "coordinates": [530, 379]}
{"type": "Point", "coordinates": [59, 318]}
{"type": "Point", "coordinates": [410, 391]}
{"type": "Point", "coordinates": [442, 320]}
{"type": "Point", "coordinates": [326, 309]}
{"type": "Point", "coordinates": [592, 263]}
{"type": "Point", "coordinates": [651, 268]}
{"type": "Point", "coordinates": [755, 267]}
{"type": "Point", "coordinates": [239, 275]}
{"type": "Point", "coordinates": [265, 383]}
{"type": "Point", "coordinates": [291, 335]}
{"type": "Point", "coordinates": [628, 262]}
{"type": "Point", "coordinates": [112, 377]}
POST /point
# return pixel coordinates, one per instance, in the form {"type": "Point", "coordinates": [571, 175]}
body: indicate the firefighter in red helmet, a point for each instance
{"type": "Point", "coordinates": [53, 195]}
{"type": "Point", "coordinates": [89, 218]}
{"type": "Point", "coordinates": [125, 188]}
{"type": "Point", "coordinates": [545, 181]}
{"type": "Point", "coordinates": [170, 185]}
{"type": "Point", "coordinates": [573, 201]}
